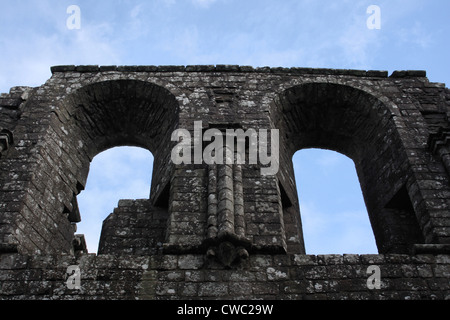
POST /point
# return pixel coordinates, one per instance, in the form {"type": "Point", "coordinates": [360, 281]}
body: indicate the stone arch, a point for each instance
{"type": "Point", "coordinates": [88, 121]}
{"type": "Point", "coordinates": [359, 125]}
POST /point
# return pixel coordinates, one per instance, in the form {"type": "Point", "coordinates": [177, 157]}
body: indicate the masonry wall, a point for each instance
{"type": "Point", "coordinates": [193, 277]}
{"type": "Point", "coordinates": [135, 227]}
{"type": "Point", "coordinates": [222, 231]}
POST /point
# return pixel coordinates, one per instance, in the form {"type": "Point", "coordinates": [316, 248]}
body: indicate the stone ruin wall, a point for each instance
{"type": "Point", "coordinates": [222, 231]}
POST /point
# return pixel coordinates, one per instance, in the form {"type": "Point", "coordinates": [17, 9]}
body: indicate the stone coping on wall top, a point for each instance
{"type": "Point", "coordinates": [10, 260]}
{"type": "Point", "coordinates": [237, 68]}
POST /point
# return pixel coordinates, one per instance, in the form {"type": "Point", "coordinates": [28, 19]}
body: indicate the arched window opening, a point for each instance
{"type": "Point", "coordinates": [358, 124]}
{"type": "Point", "coordinates": [333, 212]}
{"type": "Point", "coordinates": [115, 174]}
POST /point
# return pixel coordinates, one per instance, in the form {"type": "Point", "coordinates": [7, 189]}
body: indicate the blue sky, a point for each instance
{"type": "Point", "coordinates": [288, 33]}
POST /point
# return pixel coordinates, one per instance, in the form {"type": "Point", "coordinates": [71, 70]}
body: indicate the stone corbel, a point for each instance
{"type": "Point", "coordinates": [228, 253]}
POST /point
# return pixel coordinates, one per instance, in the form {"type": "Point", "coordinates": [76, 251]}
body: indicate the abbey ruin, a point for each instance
{"type": "Point", "coordinates": [222, 231]}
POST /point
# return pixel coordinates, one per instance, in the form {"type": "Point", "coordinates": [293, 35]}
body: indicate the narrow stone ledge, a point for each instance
{"type": "Point", "coordinates": [147, 68]}
{"type": "Point", "coordinates": [377, 74]}
{"type": "Point", "coordinates": [67, 68]}
{"type": "Point", "coordinates": [341, 72]}
{"type": "Point", "coordinates": [227, 68]}
{"type": "Point", "coordinates": [200, 68]}
{"type": "Point", "coordinates": [349, 72]}
{"type": "Point", "coordinates": [108, 68]}
{"type": "Point", "coordinates": [92, 68]}
{"type": "Point", "coordinates": [127, 68]}
{"type": "Point", "coordinates": [263, 69]}
{"type": "Point", "coordinates": [409, 73]}
{"type": "Point", "coordinates": [247, 69]}
{"type": "Point", "coordinates": [171, 69]}
{"type": "Point", "coordinates": [237, 68]}
{"type": "Point", "coordinates": [280, 70]}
